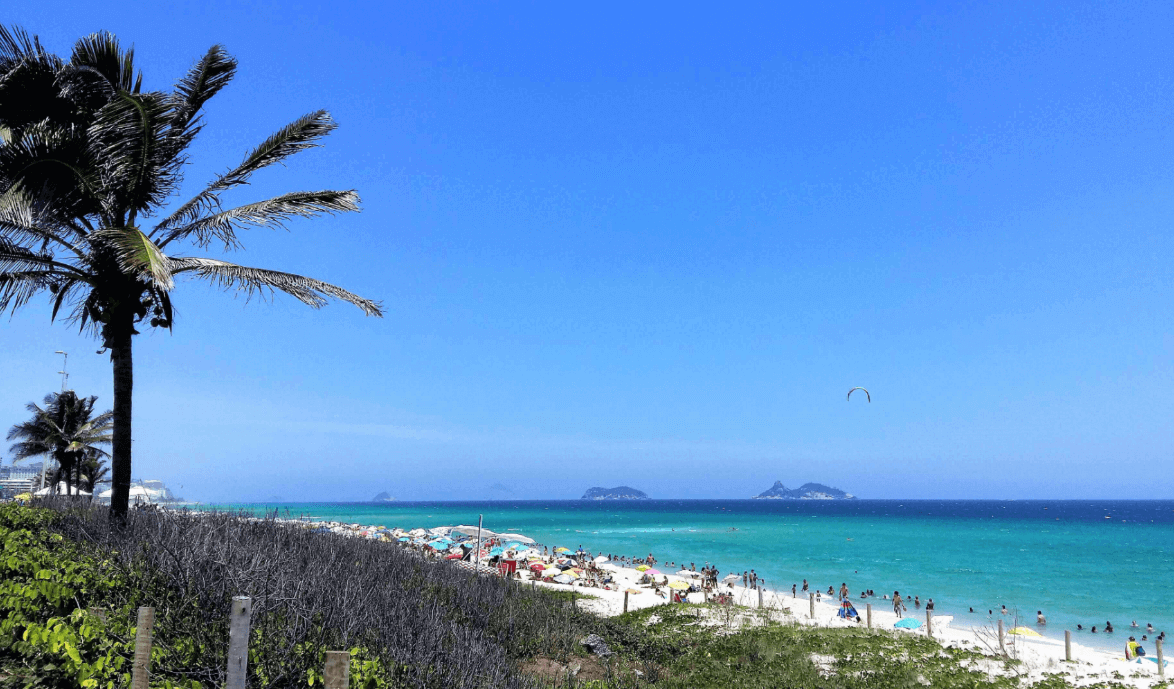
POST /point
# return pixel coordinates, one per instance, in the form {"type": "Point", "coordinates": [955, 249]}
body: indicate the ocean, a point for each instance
{"type": "Point", "coordinates": [1080, 561]}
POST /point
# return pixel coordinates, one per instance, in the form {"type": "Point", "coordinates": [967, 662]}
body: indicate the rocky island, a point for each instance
{"type": "Point", "coordinates": [807, 491]}
{"type": "Point", "coordinates": [383, 497]}
{"type": "Point", "coordinates": [617, 493]}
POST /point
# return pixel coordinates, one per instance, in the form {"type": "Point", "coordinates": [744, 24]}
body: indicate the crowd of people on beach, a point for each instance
{"type": "Point", "coordinates": [582, 568]}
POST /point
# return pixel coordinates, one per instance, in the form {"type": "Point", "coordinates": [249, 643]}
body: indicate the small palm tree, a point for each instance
{"type": "Point", "coordinates": [92, 470]}
{"type": "Point", "coordinates": [86, 158]}
{"type": "Point", "coordinates": [65, 430]}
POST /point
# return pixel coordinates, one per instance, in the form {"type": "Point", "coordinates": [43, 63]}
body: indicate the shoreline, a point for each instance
{"type": "Point", "coordinates": [1040, 654]}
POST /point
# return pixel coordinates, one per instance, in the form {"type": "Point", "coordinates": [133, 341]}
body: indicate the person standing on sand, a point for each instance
{"type": "Point", "coordinates": [793, 594]}
{"type": "Point", "coordinates": [898, 605]}
{"type": "Point", "coordinates": [843, 590]}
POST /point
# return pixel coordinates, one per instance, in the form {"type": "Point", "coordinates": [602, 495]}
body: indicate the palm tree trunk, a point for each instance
{"type": "Point", "coordinates": [119, 342]}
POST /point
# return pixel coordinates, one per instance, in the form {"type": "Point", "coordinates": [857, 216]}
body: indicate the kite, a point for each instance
{"type": "Point", "coordinates": [868, 396]}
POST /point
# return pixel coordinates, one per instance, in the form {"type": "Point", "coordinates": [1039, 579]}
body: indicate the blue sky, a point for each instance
{"type": "Point", "coordinates": [656, 246]}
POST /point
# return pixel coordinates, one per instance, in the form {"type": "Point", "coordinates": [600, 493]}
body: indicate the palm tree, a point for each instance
{"type": "Point", "coordinates": [91, 470]}
{"type": "Point", "coordinates": [87, 157]}
{"type": "Point", "coordinates": [65, 430]}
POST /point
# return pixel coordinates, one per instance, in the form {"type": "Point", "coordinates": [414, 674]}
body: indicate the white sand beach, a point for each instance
{"type": "Point", "coordinates": [608, 586]}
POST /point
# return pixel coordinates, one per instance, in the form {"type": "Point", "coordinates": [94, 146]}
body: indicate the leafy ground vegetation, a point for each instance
{"type": "Point", "coordinates": [71, 584]}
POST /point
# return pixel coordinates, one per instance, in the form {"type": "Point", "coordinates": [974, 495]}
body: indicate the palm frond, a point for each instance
{"type": "Point", "coordinates": [101, 53]}
{"type": "Point", "coordinates": [15, 258]}
{"type": "Point", "coordinates": [53, 164]}
{"type": "Point", "coordinates": [299, 135]}
{"type": "Point", "coordinates": [137, 255]}
{"type": "Point", "coordinates": [17, 288]}
{"type": "Point", "coordinates": [138, 163]}
{"type": "Point", "coordinates": [253, 281]}
{"type": "Point", "coordinates": [18, 223]}
{"type": "Point", "coordinates": [273, 212]}
{"type": "Point", "coordinates": [202, 81]}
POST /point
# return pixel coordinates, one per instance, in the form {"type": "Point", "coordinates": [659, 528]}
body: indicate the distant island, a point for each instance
{"type": "Point", "coordinates": [383, 497]}
{"type": "Point", "coordinates": [617, 493]}
{"type": "Point", "coordinates": [807, 491]}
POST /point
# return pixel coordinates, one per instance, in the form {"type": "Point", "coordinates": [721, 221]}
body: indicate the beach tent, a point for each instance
{"type": "Point", "coordinates": [907, 623]}
{"type": "Point", "coordinates": [60, 490]}
{"type": "Point", "coordinates": [1024, 631]}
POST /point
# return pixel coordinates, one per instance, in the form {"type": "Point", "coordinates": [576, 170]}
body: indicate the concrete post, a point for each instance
{"type": "Point", "coordinates": [1067, 646]}
{"type": "Point", "coordinates": [1161, 661]}
{"type": "Point", "coordinates": [141, 668]}
{"type": "Point", "coordinates": [929, 623]}
{"type": "Point", "coordinates": [239, 622]}
{"type": "Point", "coordinates": [811, 605]}
{"type": "Point", "coordinates": [1002, 646]}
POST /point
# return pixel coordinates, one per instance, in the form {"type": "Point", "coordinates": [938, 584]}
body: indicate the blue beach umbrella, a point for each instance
{"type": "Point", "coordinates": [908, 623]}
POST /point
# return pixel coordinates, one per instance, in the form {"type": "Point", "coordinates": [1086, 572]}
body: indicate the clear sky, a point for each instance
{"type": "Point", "coordinates": [656, 246]}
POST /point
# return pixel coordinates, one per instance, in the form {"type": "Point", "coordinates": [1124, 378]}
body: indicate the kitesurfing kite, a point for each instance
{"type": "Point", "coordinates": [868, 396]}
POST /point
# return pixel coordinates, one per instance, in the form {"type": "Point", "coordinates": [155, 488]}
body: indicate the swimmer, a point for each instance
{"type": "Point", "coordinates": [1039, 618]}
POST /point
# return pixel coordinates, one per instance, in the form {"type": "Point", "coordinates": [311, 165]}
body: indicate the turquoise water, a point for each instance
{"type": "Point", "coordinates": [1078, 561]}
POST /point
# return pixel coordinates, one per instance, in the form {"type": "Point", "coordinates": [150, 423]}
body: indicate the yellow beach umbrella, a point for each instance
{"type": "Point", "coordinates": [571, 573]}
{"type": "Point", "coordinates": [633, 591]}
{"type": "Point", "coordinates": [24, 496]}
{"type": "Point", "coordinates": [1025, 631]}
{"type": "Point", "coordinates": [679, 585]}
{"type": "Point", "coordinates": [641, 568]}
{"type": "Point", "coordinates": [562, 550]}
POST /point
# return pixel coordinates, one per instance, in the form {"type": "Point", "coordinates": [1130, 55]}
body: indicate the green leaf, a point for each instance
{"type": "Point", "coordinates": [138, 255]}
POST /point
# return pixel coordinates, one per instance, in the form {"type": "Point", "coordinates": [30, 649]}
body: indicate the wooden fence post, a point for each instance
{"type": "Point", "coordinates": [239, 623]}
{"type": "Point", "coordinates": [1161, 660]}
{"type": "Point", "coordinates": [1067, 646]}
{"type": "Point", "coordinates": [868, 612]}
{"type": "Point", "coordinates": [929, 623]}
{"type": "Point", "coordinates": [1002, 647]}
{"type": "Point", "coordinates": [625, 601]}
{"type": "Point", "coordinates": [574, 605]}
{"type": "Point", "coordinates": [811, 606]}
{"type": "Point", "coordinates": [337, 674]}
{"type": "Point", "coordinates": [141, 668]}
{"type": "Point", "coordinates": [760, 598]}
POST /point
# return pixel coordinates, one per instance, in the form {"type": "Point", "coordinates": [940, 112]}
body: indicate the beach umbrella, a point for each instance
{"type": "Point", "coordinates": [496, 551]}
{"type": "Point", "coordinates": [633, 591]}
{"type": "Point", "coordinates": [907, 623]}
{"type": "Point", "coordinates": [689, 574]}
{"type": "Point", "coordinates": [642, 568]}
{"type": "Point", "coordinates": [564, 579]}
{"type": "Point", "coordinates": [552, 572]}
{"type": "Point", "coordinates": [454, 556]}
{"type": "Point", "coordinates": [1025, 631]}
{"type": "Point", "coordinates": [537, 566]}
{"type": "Point", "coordinates": [561, 549]}
{"type": "Point", "coordinates": [608, 565]}
{"type": "Point", "coordinates": [517, 537]}
{"type": "Point", "coordinates": [679, 585]}
{"type": "Point", "coordinates": [571, 573]}
{"type": "Point", "coordinates": [653, 572]}
{"type": "Point", "coordinates": [731, 577]}
{"type": "Point", "coordinates": [472, 531]}
{"type": "Point", "coordinates": [601, 558]}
